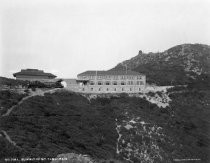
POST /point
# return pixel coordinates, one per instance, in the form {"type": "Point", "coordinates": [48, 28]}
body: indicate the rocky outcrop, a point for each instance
{"type": "Point", "coordinates": [177, 65]}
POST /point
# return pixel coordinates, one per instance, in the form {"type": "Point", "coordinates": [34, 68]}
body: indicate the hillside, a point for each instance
{"type": "Point", "coordinates": [7, 82]}
{"type": "Point", "coordinates": [13, 91]}
{"type": "Point", "coordinates": [110, 127]}
{"type": "Point", "coordinates": [178, 65]}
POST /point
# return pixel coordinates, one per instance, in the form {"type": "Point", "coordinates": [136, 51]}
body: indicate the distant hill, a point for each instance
{"type": "Point", "coordinates": [178, 65]}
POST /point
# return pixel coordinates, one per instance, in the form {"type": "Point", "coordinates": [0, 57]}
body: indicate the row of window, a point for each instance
{"type": "Point", "coordinates": [115, 83]}
{"type": "Point", "coordinates": [115, 89]}
{"type": "Point", "coordinates": [115, 77]}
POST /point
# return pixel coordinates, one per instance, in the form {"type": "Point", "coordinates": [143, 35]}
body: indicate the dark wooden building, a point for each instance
{"type": "Point", "coordinates": [33, 75]}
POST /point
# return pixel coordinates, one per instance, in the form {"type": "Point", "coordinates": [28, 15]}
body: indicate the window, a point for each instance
{"type": "Point", "coordinates": [139, 77]}
{"type": "Point", "coordinates": [92, 83]}
{"type": "Point", "coordinates": [130, 82]}
{"type": "Point", "coordinates": [91, 77]}
{"type": "Point", "coordinates": [114, 83]}
{"type": "Point", "coordinates": [100, 83]}
{"type": "Point", "coordinates": [130, 89]}
{"type": "Point", "coordinates": [115, 89]}
{"type": "Point", "coordinates": [107, 83]}
{"type": "Point", "coordinates": [141, 83]}
{"type": "Point", "coordinates": [122, 89]}
{"type": "Point", "coordinates": [99, 89]}
{"type": "Point", "coordinates": [115, 77]}
{"type": "Point", "coordinates": [123, 77]}
{"type": "Point", "coordinates": [91, 89]}
{"type": "Point", "coordinates": [83, 89]}
{"type": "Point", "coordinates": [107, 89]}
{"type": "Point", "coordinates": [99, 77]}
{"type": "Point", "coordinates": [139, 89]}
{"type": "Point", "coordinates": [122, 83]}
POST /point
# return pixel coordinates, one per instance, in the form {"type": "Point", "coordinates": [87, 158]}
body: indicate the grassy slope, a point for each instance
{"type": "Point", "coordinates": [61, 123]}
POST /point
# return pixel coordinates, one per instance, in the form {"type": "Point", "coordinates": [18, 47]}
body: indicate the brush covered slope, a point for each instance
{"type": "Point", "coordinates": [11, 92]}
{"type": "Point", "coordinates": [117, 127]}
{"type": "Point", "coordinates": [178, 65]}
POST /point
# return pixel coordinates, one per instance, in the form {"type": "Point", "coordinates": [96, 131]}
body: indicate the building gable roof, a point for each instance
{"type": "Point", "coordinates": [110, 72]}
{"type": "Point", "coordinates": [33, 72]}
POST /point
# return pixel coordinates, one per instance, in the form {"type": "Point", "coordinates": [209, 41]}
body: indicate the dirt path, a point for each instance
{"type": "Point", "coordinates": [36, 93]}
{"type": "Point", "coordinates": [6, 136]}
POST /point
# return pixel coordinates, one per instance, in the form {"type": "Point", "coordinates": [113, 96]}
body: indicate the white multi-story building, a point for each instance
{"type": "Point", "coordinates": [108, 82]}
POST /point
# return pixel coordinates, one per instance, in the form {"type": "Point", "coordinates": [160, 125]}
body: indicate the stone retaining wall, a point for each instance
{"type": "Point", "coordinates": [106, 88]}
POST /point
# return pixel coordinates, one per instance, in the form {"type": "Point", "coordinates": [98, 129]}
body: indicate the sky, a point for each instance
{"type": "Point", "coordinates": [67, 37]}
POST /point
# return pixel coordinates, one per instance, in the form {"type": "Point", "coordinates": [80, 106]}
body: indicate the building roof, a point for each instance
{"type": "Point", "coordinates": [34, 72]}
{"type": "Point", "coordinates": [110, 72]}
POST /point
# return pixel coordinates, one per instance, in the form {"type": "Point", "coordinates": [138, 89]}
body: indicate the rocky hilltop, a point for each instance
{"type": "Point", "coordinates": [178, 65]}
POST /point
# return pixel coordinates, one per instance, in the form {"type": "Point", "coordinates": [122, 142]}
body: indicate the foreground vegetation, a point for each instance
{"type": "Point", "coordinates": [65, 122]}
{"type": "Point", "coordinates": [60, 123]}
{"type": "Point", "coordinates": [12, 83]}
{"type": "Point", "coordinates": [13, 91]}
{"type": "Point", "coordinates": [8, 99]}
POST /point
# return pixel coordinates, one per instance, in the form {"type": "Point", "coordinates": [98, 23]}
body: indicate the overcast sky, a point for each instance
{"type": "Point", "coordinates": [67, 37]}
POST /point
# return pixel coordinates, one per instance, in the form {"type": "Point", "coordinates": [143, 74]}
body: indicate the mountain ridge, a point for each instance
{"type": "Point", "coordinates": [180, 64]}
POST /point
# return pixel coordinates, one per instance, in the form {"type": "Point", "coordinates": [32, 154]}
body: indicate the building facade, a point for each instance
{"type": "Point", "coordinates": [108, 82]}
{"type": "Point", "coordinates": [34, 75]}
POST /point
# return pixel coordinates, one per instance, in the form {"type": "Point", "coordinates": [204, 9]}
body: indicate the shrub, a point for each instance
{"type": "Point", "coordinates": [123, 95]}
{"type": "Point", "coordinates": [33, 89]}
{"type": "Point", "coordinates": [152, 94]}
